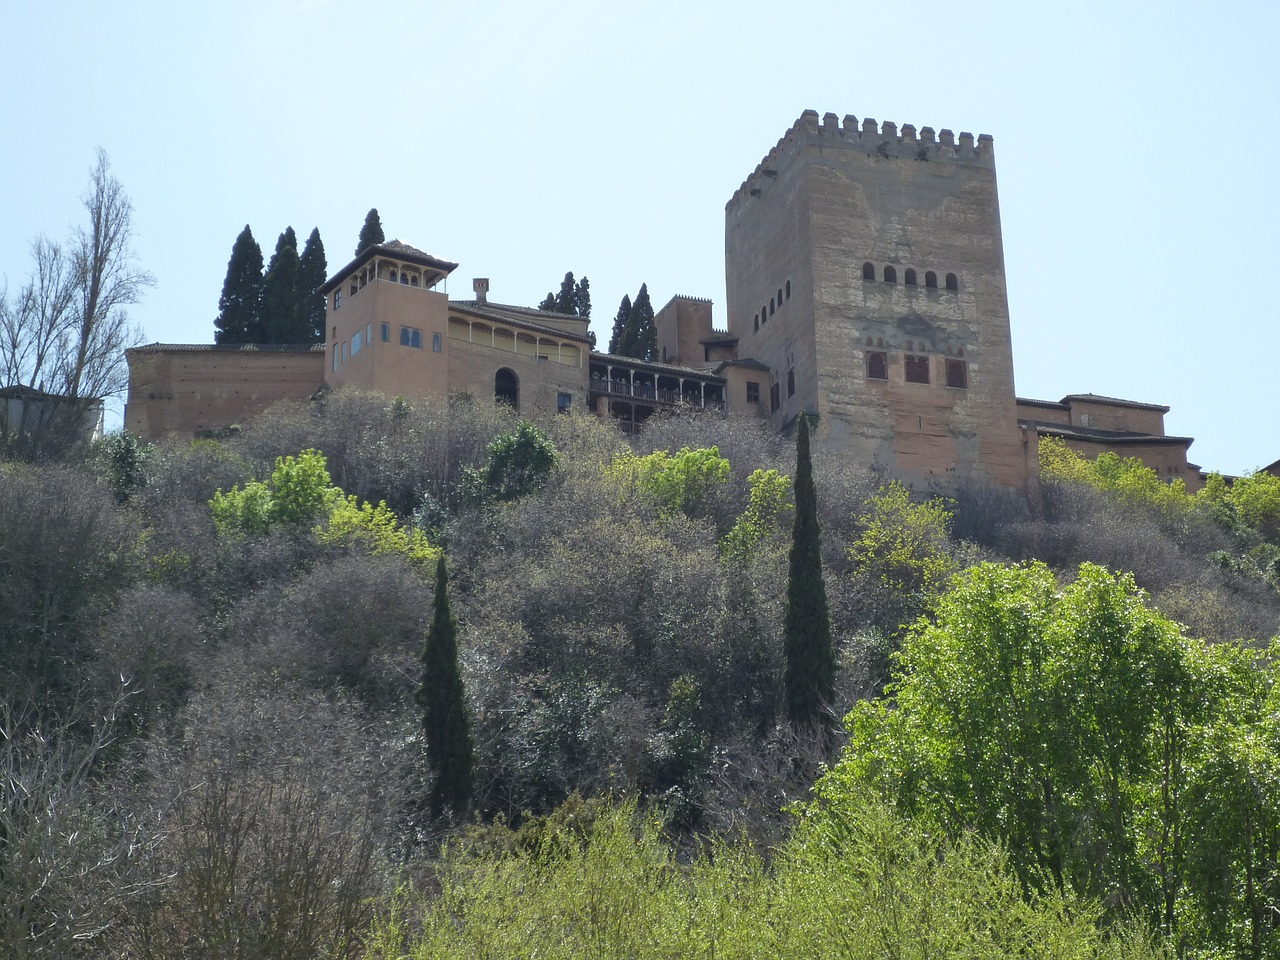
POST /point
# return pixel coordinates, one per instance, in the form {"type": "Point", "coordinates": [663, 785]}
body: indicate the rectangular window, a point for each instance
{"type": "Point", "coordinates": [436, 343]}
{"type": "Point", "coordinates": [357, 343]}
{"type": "Point", "coordinates": [415, 339]}
{"type": "Point", "coordinates": [404, 336]}
{"type": "Point", "coordinates": [791, 383]}
{"type": "Point", "coordinates": [563, 402]}
{"type": "Point", "coordinates": [916, 368]}
{"type": "Point", "coordinates": [958, 374]}
{"type": "Point", "coordinates": [335, 358]}
{"type": "Point", "coordinates": [337, 299]}
{"type": "Point", "coordinates": [877, 365]}
{"type": "Point", "coordinates": [753, 392]}
{"type": "Point", "coordinates": [344, 351]}
{"type": "Point", "coordinates": [386, 333]}
{"type": "Point", "coordinates": [775, 398]}
{"type": "Point", "coordinates": [368, 334]}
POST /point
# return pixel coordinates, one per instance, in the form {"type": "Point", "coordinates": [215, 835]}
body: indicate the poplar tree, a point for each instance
{"type": "Point", "coordinates": [280, 314]}
{"type": "Point", "coordinates": [312, 270]}
{"type": "Point", "coordinates": [442, 698]}
{"type": "Point", "coordinates": [371, 233]}
{"type": "Point", "coordinates": [809, 669]}
{"type": "Point", "coordinates": [239, 317]}
{"type": "Point", "coordinates": [620, 325]}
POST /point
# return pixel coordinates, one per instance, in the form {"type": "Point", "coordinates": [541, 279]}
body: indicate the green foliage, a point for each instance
{"type": "Point", "coordinates": [768, 502]}
{"type": "Point", "coordinates": [620, 320]}
{"type": "Point", "coordinates": [378, 530]}
{"type": "Point", "coordinates": [677, 483]}
{"type": "Point", "coordinates": [520, 462]}
{"type": "Point", "coordinates": [312, 273]}
{"type": "Point", "coordinates": [283, 318]}
{"type": "Point", "coordinates": [1127, 478]}
{"type": "Point", "coordinates": [371, 232]}
{"type": "Point", "coordinates": [240, 305]}
{"type": "Point", "coordinates": [573, 299]}
{"type": "Point", "coordinates": [903, 545]}
{"type": "Point", "coordinates": [122, 460]}
{"type": "Point", "coordinates": [639, 337]}
{"type": "Point", "coordinates": [446, 717]}
{"type": "Point", "coordinates": [809, 671]}
{"type": "Point", "coordinates": [298, 492]}
{"type": "Point", "coordinates": [1257, 502]}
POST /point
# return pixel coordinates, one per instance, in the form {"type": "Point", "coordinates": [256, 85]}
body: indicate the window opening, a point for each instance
{"type": "Point", "coordinates": [756, 321]}
{"type": "Point", "coordinates": [930, 279]}
{"type": "Point", "coordinates": [788, 289]}
{"type": "Point", "coordinates": [774, 398]}
{"type": "Point", "coordinates": [909, 277]}
{"type": "Point", "coordinates": [916, 368]}
{"type": "Point", "coordinates": [957, 374]}
{"type": "Point", "coordinates": [563, 402]}
{"type": "Point", "coordinates": [890, 275]}
{"type": "Point", "coordinates": [753, 391]}
{"type": "Point", "coordinates": [791, 383]}
{"type": "Point", "coordinates": [436, 343]}
{"type": "Point", "coordinates": [952, 282]}
{"type": "Point", "coordinates": [386, 332]}
{"type": "Point", "coordinates": [779, 296]}
{"type": "Point", "coordinates": [868, 272]}
{"type": "Point", "coordinates": [506, 388]}
{"type": "Point", "coordinates": [877, 365]}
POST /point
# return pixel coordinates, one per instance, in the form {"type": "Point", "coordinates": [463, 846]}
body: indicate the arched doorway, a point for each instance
{"type": "Point", "coordinates": [506, 388]}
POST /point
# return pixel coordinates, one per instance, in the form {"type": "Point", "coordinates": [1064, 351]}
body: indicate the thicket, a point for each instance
{"type": "Point", "coordinates": [202, 639]}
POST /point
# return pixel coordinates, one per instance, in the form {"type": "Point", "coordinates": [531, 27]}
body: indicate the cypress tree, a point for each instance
{"type": "Point", "coordinates": [640, 339]}
{"type": "Point", "coordinates": [582, 299]}
{"type": "Point", "coordinates": [312, 270]}
{"type": "Point", "coordinates": [548, 303]}
{"type": "Point", "coordinates": [620, 322]}
{"type": "Point", "coordinates": [280, 319]}
{"type": "Point", "coordinates": [371, 233]}
{"type": "Point", "coordinates": [240, 306]}
{"type": "Point", "coordinates": [566, 299]}
{"type": "Point", "coordinates": [809, 670]}
{"type": "Point", "coordinates": [444, 707]}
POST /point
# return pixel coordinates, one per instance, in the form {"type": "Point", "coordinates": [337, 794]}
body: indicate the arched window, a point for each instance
{"type": "Point", "coordinates": [771, 306]}
{"type": "Point", "coordinates": [764, 313]}
{"type": "Point", "coordinates": [506, 388]}
{"type": "Point", "coordinates": [788, 289]}
{"type": "Point", "coordinates": [890, 275]}
{"type": "Point", "coordinates": [392, 278]}
{"type": "Point", "coordinates": [779, 296]}
{"type": "Point", "coordinates": [952, 282]}
{"type": "Point", "coordinates": [756, 320]}
{"type": "Point", "coordinates": [910, 276]}
{"type": "Point", "coordinates": [868, 272]}
{"type": "Point", "coordinates": [930, 279]}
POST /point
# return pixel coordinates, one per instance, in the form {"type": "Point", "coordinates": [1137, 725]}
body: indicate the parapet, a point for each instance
{"type": "Point", "coordinates": [883, 140]}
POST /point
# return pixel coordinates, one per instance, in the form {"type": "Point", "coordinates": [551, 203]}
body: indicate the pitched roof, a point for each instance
{"type": "Point", "coordinates": [392, 248]}
{"type": "Point", "coordinates": [1098, 435]}
{"type": "Point", "coordinates": [524, 317]}
{"type": "Point", "coordinates": [653, 365]}
{"type": "Point", "coordinates": [1114, 401]}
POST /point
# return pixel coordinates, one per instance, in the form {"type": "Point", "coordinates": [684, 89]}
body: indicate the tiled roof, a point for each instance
{"type": "Point", "coordinates": [228, 348]}
{"type": "Point", "coordinates": [392, 248]}
{"type": "Point", "coordinates": [620, 361]}
{"type": "Point", "coordinates": [523, 317]}
{"type": "Point", "coordinates": [751, 363]}
{"type": "Point", "coordinates": [1114, 401]}
{"type": "Point", "coordinates": [1097, 435]}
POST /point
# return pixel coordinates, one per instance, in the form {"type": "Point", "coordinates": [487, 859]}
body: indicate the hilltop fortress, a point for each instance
{"type": "Point", "coordinates": [865, 285]}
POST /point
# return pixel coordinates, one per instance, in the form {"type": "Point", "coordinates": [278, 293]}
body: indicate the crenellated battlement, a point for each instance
{"type": "Point", "coordinates": [884, 140]}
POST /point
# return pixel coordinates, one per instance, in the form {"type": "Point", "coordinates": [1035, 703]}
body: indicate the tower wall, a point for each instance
{"type": "Point", "coordinates": [831, 198]}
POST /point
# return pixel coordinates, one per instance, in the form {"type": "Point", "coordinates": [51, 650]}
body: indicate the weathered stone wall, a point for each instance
{"type": "Point", "coordinates": [186, 390]}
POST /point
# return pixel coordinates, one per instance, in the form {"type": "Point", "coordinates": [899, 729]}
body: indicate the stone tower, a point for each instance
{"type": "Point", "coordinates": [865, 268]}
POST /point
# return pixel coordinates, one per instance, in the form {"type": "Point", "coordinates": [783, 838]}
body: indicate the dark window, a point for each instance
{"type": "Point", "coordinates": [890, 275]}
{"type": "Point", "coordinates": [415, 340]}
{"type": "Point", "coordinates": [791, 383]}
{"type": "Point", "coordinates": [753, 392]}
{"type": "Point", "coordinates": [337, 299]}
{"type": "Point", "coordinates": [957, 374]}
{"type": "Point", "coordinates": [764, 314]}
{"type": "Point", "coordinates": [877, 365]}
{"type": "Point", "coordinates": [910, 276]}
{"type": "Point", "coordinates": [393, 276]}
{"type": "Point", "coordinates": [404, 278]}
{"type": "Point", "coordinates": [404, 336]}
{"type": "Point", "coordinates": [952, 282]}
{"type": "Point", "coordinates": [386, 333]}
{"type": "Point", "coordinates": [436, 344]}
{"type": "Point", "coordinates": [771, 306]}
{"type": "Point", "coordinates": [774, 399]}
{"type": "Point", "coordinates": [788, 289]}
{"type": "Point", "coordinates": [563, 402]}
{"type": "Point", "coordinates": [868, 272]}
{"type": "Point", "coordinates": [506, 388]}
{"type": "Point", "coordinates": [779, 296]}
{"type": "Point", "coordinates": [916, 368]}
{"type": "Point", "coordinates": [930, 279]}
{"type": "Point", "coordinates": [757, 321]}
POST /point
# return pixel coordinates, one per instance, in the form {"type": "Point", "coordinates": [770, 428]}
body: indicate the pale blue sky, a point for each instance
{"type": "Point", "coordinates": [1135, 147]}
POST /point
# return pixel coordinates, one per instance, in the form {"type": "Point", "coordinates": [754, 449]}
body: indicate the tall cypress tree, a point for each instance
{"type": "Point", "coordinates": [566, 299]}
{"type": "Point", "coordinates": [240, 306]}
{"type": "Point", "coordinates": [371, 233]}
{"type": "Point", "coordinates": [445, 717]}
{"type": "Point", "coordinates": [280, 315]}
{"type": "Point", "coordinates": [582, 299]}
{"type": "Point", "coordinates": [312, 271]}
{"type": "Point", "coordinates": [809, 671]}
{"type": "Point", "coordinates": [640, 339]}
{"type": "Point", "coordinates": [620, 321]}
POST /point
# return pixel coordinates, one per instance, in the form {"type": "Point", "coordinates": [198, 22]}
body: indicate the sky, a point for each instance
{"type": "Point", "coordinates": [1135, 142]}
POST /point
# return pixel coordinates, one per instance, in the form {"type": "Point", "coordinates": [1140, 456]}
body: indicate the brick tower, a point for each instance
{"type": "Point", "coordinates": [865, 268]}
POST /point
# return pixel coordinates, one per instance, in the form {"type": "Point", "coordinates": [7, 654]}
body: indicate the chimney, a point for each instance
{"type": "Point", "coordinates": [481, 286]}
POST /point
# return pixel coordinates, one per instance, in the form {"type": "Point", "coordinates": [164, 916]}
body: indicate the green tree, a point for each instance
{"type": "Point", "coordinates": [639, 337]}
{"type": "Point", "coordinates": [446, 718]}
{"type": "Point", "coordinates": [312, 270]}
{"type": "Point", "coordinates": [766, 505]}
{"type": "Point", "coordinates": [240, 306]}
{"type": "Point", "coordinates": [371, 233]}
{"type": "Point", "coordinates": [520, 461]}
{"type": "Point", "coordinates": [809, 670]}
{"type": "Point", "coordinates": [678, 484]}
{"type": "Point", "coordinates": [620, 321]}
{"type": "Point", "coordinates": [282, 321]}
{"type": "Point", "coordinates": [299, 491]}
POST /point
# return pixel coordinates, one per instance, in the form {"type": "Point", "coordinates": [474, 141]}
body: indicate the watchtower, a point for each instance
{"type": "Point", "coordinates": [865, 268]}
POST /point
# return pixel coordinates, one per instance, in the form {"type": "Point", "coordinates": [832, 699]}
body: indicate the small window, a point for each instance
{"type": "Point", "coordinates": [404, 279]}
{"type": "Point", "coordinates": [393, 276]}
{"type": "Point", "coordinates": [868, 272]}
{"type": "Point", "coordinates": [386, 332]}
{"type": "Point", "coordinates": [791, 383]}
{"type": "Point", "coordinates": [877, 365]}
{"type": "Point", "coordinates": [357, 342]}
{"type": "Point", "coordinates": [413, 281]}
{"type": "Point", "coordinates": [404, 336]}
{"type": "Point", "coordinates": [909, 277]}
{"type": "Point", "coordinates": [890, 275]}
{"type": "Point", "coordinates": [335, 358]}
{"type": "Point", "coordinates": [771, 306]}
{"type": "Point", "coordinates": [958, 374]}
{"type": "Point", "coordinates": [952, 282]}
{"type": "Point", "coordinates": [563, 402]}
{"type": "Point", "coordinates": [753, 392]}
{"type": "Point", "coordinates": [368, 334]}
{"type": "Point", "coordinates": [788, 289]}
{"type": "Point", "coordinates": [337, 299]}
{"type": "Point", "coordinates": [775, 400]}
{"type": "Point", "coordinates": [756, 321]}
{"type": "Point", "coordinates": [415, 339]}
{"type": "Point", "coordinates": [916, 368]}
{"type": "Point", "coordinates": [344, 351]}
{"type": "Point", "coordinates": [779, 296]}
{"type": "Point", "coordinates": [436, 343]}
{"type": "Point", "coordinates": [764, 314]}
{"type": "Point", "coordinates": [930, 279]}
{"type": "Point", "coordinates": [354, 288]}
